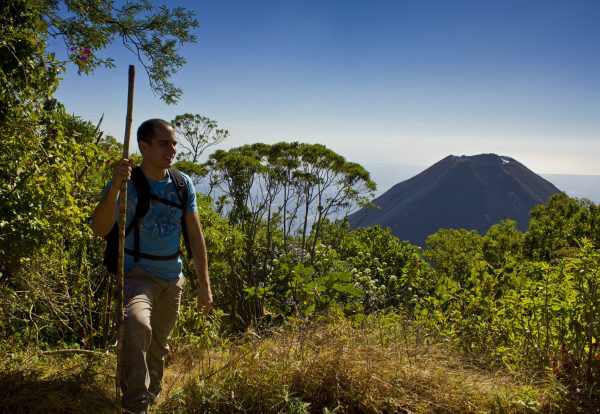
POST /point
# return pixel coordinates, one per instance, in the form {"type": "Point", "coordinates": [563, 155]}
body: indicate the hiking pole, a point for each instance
{"type": "Point", "coordinates": [121, 262]}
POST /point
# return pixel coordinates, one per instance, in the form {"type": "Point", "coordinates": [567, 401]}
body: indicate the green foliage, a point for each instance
{"type": "Point", "coordinates": [502, 242]}
{"type": "Point", "coordinates": [557, 226]}
{"type": "Point", "coordinates": [523, 314]}
{"type": "Point", "coordinates": [453, 253]}
{"type": "Point", "coordinates": [196, 133]}
{"type": "Point", "coordinates": [153, 34]}
{"type": "Point", "coordinates": [303, 292]}
{"type": "Point", "coordinates": [389, 271]}
{"type": "Point", "coordinates": [529, 301]}
{"type": "Point", "coordinates": [271, 190]}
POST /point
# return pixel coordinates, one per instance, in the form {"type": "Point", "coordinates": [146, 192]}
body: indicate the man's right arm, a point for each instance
{"type": "Point", "coordinates": [106, 212]}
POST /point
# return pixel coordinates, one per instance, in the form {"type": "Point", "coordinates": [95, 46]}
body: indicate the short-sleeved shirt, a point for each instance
{"type": "Point", "coordinates": [160, 228]}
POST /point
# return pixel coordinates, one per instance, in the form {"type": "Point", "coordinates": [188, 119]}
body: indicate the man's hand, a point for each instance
{"type": "Point", "coordinates": [205, 300]}
{"type": "Point", "coordinates": [122, 171]}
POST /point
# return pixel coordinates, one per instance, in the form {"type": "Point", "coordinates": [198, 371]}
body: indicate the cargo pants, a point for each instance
{"type": "Point", "coordinates": [151, 308]}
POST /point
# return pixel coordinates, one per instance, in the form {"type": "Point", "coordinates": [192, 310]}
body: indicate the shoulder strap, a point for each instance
{"type": "Point", "coordinates": [182, 192]}
{"type": "Point", "coordinates": [143, 192]}
{"type": "Point", "coordinates": [144, 195]}
{"type": "Point", "coordinates": [180, 186]}
{"type": "Point", "coordinates": [143, 203]}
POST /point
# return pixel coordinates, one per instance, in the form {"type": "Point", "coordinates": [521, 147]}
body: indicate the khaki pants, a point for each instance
{"type": "Point", "coordinates": [151, 308]}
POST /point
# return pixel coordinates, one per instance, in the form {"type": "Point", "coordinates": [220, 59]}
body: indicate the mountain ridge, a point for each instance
{"type": "Point", "coordinates": [472, 192]}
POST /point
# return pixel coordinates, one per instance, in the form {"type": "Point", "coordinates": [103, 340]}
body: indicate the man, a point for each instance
{"type": "Point", "coordinates": [153, 288]}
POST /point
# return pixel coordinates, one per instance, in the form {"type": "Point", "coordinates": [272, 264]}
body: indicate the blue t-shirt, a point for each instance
{"type": "Point", "coordinates": [160, 228]}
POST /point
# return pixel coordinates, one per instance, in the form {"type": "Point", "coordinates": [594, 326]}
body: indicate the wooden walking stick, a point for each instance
{"type": "Point", "coordinates": [121, 262]}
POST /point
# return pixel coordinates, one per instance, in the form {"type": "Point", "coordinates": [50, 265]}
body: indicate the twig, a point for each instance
{"type": "Point", "coordinates": [74, 351]}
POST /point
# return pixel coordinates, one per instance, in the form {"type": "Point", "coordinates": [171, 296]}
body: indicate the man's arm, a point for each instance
{"type": "Point", "coordinates": [106, 212]}
{"type": "Point", "coordinates": [198, 246]}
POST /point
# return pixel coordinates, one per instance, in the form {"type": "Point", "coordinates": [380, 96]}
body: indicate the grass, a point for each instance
{"type": "Point", "coordinates": [381, 365]}
{"type": "Point", "coordinates": [56, 384]}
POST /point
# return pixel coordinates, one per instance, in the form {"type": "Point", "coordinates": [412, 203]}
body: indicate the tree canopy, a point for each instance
{"type": "Point", "coordinates": [153, 34]}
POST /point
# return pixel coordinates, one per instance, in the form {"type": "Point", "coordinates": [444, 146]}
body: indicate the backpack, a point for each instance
{"type": "Point", "coordinates": [144, 195]}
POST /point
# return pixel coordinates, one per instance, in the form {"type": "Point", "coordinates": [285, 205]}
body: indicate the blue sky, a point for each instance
{"type": "Point", "coordinates": [390, 82]}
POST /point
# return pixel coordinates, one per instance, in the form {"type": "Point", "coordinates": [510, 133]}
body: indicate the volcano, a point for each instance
{"type": "Point", "coordinates": [470, 192]}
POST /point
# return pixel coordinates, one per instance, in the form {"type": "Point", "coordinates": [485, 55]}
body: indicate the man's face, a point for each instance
{"type": "Point", "coordinates": [160, 152]}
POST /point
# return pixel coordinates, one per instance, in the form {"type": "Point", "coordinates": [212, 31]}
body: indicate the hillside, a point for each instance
{"type": "Point", "coordinates": [471, 192]}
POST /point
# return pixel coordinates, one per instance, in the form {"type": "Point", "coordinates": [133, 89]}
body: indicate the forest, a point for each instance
{"type": "Point", "coordinates": [310, 316]}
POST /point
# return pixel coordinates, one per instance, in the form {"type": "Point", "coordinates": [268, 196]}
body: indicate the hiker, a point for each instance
{"type": "Point", "coordinates": [153, 265]}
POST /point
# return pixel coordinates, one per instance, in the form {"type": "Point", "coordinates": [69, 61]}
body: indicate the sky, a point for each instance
{"type": "Point", "coordinates": [381, 82]}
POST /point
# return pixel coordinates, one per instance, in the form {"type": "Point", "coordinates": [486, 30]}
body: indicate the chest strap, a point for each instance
{"type": "Point", "coordinates": [151, 256]}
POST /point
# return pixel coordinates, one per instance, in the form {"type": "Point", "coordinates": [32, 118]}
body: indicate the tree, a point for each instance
{"type": "Point", "coordinates": [285, 160]}
{"type": "Point", "coordinates": [151, 33]}
{"type": "Point", "coordinates": [559, 225]}
{"type": "Point", "coordinates": [196, 133]}
{"type": "Point", "coordinates": [453, 253]}
{"type": "Point", "coordinates": [268, 185]}
{"type": "Point", "coordinates": [333, 184]}
{"type": "Point", "coordinates": [30, 129]}
{"type": "Point", "coordinates": [40, 166]}
{"type": "Point", "coordinates": [501, 242]}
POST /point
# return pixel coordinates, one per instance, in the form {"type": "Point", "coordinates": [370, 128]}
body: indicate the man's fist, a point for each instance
{"type": "Point", "coordinates": [122, 171]}
{"type": "Point", "coordinates": [205, 301]}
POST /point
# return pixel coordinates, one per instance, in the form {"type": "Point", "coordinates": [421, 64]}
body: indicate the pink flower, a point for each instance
{"type": "Point", "coordinates": [86, 51]}
{"type": "Point", "coordinates": [107, 149]}
{"type": "Point", "coordinates": [83, 58]}
{"type": "Point", "coordinates": [72, 48]}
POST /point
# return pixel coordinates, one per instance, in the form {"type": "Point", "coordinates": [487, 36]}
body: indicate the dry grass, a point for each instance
{"type": "Point", "coordinates": [57, 384]}
{"type": "Point", "coordinates": [382, 365]}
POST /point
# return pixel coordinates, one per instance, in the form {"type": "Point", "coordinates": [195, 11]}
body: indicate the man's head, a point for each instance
{"type": "Point", "coordinates": [147, 130]}
{"type": "Point", "coordinates": [157, 142]}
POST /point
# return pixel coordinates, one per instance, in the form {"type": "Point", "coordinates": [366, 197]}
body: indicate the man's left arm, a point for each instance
{"type": "Point", "coordinates": [198, 246]}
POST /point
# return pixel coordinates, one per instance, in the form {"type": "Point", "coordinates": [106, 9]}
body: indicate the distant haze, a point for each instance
{"type": "Point", "coordinates": [580, 186]}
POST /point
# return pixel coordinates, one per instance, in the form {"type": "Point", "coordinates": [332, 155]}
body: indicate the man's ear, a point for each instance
{"type": "Point", "coordinates": [143, 145]}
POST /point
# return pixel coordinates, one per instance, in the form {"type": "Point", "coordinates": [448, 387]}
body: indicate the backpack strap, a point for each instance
{"type": "Point", "coordinates": [181, 189]}
{"type": "Point", "coordinates": [142, 188]}
{"type": "Point", "coordinates": [144, 195]}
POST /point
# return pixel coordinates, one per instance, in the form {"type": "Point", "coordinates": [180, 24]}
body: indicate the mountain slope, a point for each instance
{"type": "Point", "coordinates": [471, 192]}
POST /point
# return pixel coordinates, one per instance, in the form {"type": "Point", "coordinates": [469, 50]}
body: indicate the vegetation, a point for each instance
{"type": "Point", "coordinates": [311, 316]}
{"type": "Point", "coordinates": [382, 364]}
